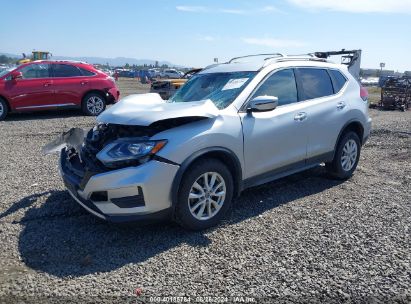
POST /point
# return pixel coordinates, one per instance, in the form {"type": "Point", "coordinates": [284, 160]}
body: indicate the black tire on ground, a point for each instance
{"type": "Point", "coordinates": [183, 215]}
{"type": "Point", "coordinates": [4, 109]}
{"type": "Point", "coordinates": [93, 104]}
{"type": "Point", "coordinates": [336, 168]}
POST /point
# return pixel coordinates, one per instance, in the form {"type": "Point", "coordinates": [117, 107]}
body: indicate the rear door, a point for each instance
{"type": "Point", "coordinates": [322, 92]}
{"type": "Point", "coordinates": [34, 90]}
{"type": "Point", "coordinates": [69, 84]}
{"type": "Point", "coordinates": [275, 141]}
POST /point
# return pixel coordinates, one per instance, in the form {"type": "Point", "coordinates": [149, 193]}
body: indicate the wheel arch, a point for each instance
{"type": "Point", "coordinates": [225, 155]}
{"type": "Point", "coordinates": [7, 102]}
{"type": "Point", "coordinates": [100, 92]}
{"type": "Point", "coordinates": [352, 125]}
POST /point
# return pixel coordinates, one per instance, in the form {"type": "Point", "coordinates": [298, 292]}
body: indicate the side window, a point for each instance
{"type": "Point", "coordinates": [65, 70]}
{"type": "Point", "coordinates": [281, 84]}
{"type": "Point", "coordinates": [315, 82]}
{"type": "Point", "coordinates": [36, 70]}
{"type": "Point", "coordinates": [85, 72]}
{"type": "Point", "coordinates": [338, 80]}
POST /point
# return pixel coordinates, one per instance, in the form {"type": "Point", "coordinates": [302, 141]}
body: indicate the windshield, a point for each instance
{"type": "Point", "coordinates": [5, 71]}
{"type": "Point", "coordinates": [220, 88]}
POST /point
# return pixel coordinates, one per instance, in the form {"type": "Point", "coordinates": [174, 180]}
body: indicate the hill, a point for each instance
{"type": "Point", "coordinates": [117, 61]}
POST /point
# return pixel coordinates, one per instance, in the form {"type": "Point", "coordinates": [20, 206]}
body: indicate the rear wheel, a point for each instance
{"type": "Point", "coordinates": [4, 109]}
{"type": "Point", "coordinates": [346, 156]}
{"type": "Point", "coordinates": [205, 195]}
{"type": "Point", "coordinates": [93, 104]}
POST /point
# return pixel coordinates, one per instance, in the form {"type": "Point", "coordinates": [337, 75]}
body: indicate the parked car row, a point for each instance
{"type": "Point", "coordinates": [45, 84]}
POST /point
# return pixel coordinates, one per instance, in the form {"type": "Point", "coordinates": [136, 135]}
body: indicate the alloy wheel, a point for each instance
{"type": "Point", "coordinates": [207, 195]}
{"type": "Point", "coordinates": [349, 155]}
{"type": "Point", "coordinates": [1, 109]}
{"type": "Point", "coordinates": [95, 105]}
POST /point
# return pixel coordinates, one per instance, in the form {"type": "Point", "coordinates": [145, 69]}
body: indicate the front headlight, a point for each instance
{"type": "Point", "coordinates": [129, 149]}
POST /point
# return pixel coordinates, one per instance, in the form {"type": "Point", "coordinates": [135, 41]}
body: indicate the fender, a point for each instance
{"type": "Point", "coordinates": [237, 174]}
{"type": "Point", "coordinates": [7, 102]}
{"type": "Point", "coordinates": [342, 131]}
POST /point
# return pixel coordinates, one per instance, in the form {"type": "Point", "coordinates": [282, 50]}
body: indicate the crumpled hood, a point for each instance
{"type": "Point", "coordinates": [144, 109]}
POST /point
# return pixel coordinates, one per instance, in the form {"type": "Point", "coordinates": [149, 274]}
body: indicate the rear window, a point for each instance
{"type": "Point", "coordinates": [339, 80]}
{"type": "Point", "coordinates": [315, 82]}
{"type": "Point", "coordinates": [65, 70]}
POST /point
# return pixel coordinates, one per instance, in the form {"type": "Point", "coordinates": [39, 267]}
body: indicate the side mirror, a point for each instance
{"type": "Point", "coordinates": [16, 75]}
{"type": "Point", "coordinates": [263, 104]}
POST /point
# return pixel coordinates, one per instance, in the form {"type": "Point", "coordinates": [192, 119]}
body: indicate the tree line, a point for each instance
{"type": "Point", "coordinates": [6, 59]}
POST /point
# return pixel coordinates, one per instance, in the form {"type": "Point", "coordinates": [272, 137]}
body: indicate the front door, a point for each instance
{"type": "Point", "coordinates": [34, 90]}
{"type": "Point", "coordinates": [275, 141]}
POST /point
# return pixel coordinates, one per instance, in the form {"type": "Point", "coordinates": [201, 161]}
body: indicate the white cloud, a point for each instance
{"type": "Point", "coordinates": [273, 43]}
{"type": "Point", "coordinates": [270, 9]}
{"type": "Point", "coordinates": [232, 11]}
{"type": "Point", "coordinates": [207, 38]}
{"type": "Point", "coordinates": [357, 6]}
{"type": "Point", "coordinates": [193, 9]}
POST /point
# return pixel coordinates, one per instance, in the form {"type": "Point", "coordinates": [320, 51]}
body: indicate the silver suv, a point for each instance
{"type": "Point", "coordinates": [230, 127]}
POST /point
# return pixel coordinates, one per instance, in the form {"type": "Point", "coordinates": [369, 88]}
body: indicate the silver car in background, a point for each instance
{"type": "Point", "coordinates": [230, 127]}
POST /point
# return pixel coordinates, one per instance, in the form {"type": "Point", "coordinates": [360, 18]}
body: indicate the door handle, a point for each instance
{"type": "Point", "coordinates": [341, 105]}
{"type": "Point", "coordinates": [47, 84]}
{"type": "Point", "coordinates": [84, 82]}
{"type": "Point", "coordinates": [300, 116]}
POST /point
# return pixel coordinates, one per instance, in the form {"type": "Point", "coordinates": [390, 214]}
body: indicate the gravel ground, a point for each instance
{"type": "Point", "coordinates": [302, 238]}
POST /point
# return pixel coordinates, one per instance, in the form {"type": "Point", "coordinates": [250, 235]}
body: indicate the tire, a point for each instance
{"type": "Point", "coordinates": [4, 109]}
{"type": "Point", "coordinates": [215, 207]}
{"type": "Point", "coordinates": [344, 164]}
{"type": "Point", "coordinates": [93, 104]}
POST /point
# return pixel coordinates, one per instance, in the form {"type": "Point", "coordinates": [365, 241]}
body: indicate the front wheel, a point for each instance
{"type": "Point", "coordinates": [346, 156]}
{"type": "Point", "coordinates": [205, 195]}
{"type": "Point", "coordinates": [93, 104]}
{"type": "Point", "coordinates": [3, 109]}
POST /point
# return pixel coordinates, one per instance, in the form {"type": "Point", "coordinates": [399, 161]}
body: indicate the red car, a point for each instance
{"type": "Point", "coordinates": [46, 84]}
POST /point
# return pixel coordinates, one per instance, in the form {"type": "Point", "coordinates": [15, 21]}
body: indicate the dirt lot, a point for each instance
{"type": "Point", "coordinates": [301, 238]}
{"type": "Point", "coordinates": [131, 86]}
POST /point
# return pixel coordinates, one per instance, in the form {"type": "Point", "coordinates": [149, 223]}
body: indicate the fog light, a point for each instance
{"type": "Point", "coordinates": [99, 196]}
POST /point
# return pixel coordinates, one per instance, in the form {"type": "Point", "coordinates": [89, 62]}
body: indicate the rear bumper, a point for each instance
{"type": "Point", "coordinates": [141, 193]}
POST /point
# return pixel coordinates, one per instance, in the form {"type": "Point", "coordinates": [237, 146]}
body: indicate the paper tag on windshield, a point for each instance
{"type": "Point", "coordinates": [234, 84]}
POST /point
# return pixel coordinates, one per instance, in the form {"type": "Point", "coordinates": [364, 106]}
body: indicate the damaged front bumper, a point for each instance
{"type": "Point", "coordinates": [141, 193]}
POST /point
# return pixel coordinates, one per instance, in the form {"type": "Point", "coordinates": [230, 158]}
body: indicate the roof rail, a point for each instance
{"type": "Point", "coordinates": [68, 60]}
{"type": "Point", "coordinates": [60, 60]}
{"type": "Point", "coordinates": [272, 55]}
{"type": "Point", "coordinates": [305, 57]}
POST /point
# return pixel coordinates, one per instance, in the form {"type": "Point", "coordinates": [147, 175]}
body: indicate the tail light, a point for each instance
{"type": "Point", "coordinates": [363, 93]}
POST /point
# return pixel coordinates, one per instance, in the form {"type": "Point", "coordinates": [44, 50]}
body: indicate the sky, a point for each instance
{"type": "Point", "coordinates": [193, 32]}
